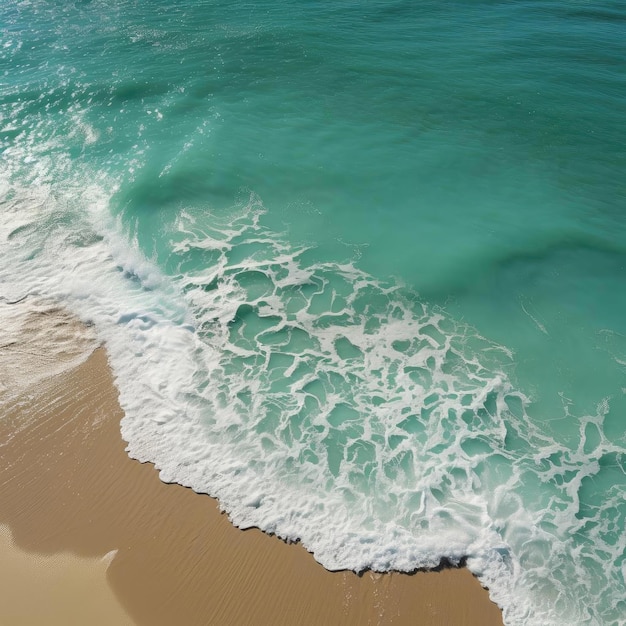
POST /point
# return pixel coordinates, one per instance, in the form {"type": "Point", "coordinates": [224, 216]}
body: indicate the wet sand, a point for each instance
{"type": "Point", "coordinates": [67, 487]}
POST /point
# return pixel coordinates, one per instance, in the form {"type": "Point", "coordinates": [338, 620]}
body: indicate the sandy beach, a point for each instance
{"type": "Point", "coordinates": [118, 546]}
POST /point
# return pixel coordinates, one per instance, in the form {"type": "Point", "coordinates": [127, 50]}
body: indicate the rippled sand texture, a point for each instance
{"type": "Point", "coordinates": [68, 487]}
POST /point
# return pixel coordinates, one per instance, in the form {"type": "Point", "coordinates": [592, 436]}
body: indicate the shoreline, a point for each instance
{"type": "Point", "coordinates": [68, 486]}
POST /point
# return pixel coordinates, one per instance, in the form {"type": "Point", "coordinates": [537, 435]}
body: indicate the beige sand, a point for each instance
{"type": "Point", "coordinates": [57, 590]}
{"type": "Point", "coordinates": [67, 486]}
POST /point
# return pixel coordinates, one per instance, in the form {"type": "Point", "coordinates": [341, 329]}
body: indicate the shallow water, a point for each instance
{"type": "Point", "coordinates": [360, 267]}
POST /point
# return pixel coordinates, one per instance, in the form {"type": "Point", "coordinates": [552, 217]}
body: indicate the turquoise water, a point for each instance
{"type": "Point", "coordinates": [360, 267]}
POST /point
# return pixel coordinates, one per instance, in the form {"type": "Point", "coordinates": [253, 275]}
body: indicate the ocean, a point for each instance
{"type": "Point", "coordinates": [360, 267]}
